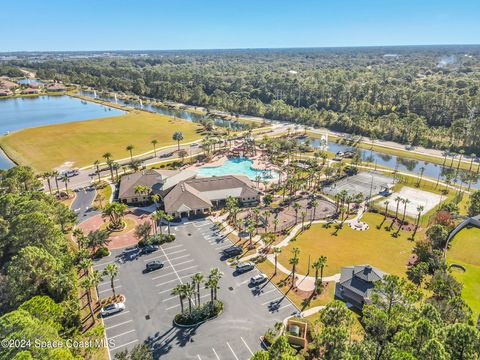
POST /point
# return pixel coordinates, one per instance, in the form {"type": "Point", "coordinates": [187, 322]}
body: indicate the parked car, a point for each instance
{"type": "Point", "coordinates": [148, 249]}
{"type": "Point", "coordinates": [69, 173]}
{"type": "Point", "coordinates": [112, 309]}
{"type": "Point", "coordinates": [166, 155]}
{"type": "Point", "coordinates": [153, 265]}
{"type": "Point", "coordinates": [244, 267]}
{"type": "Point", "coordinates": [233, 251]}
{"type": "Point", "coordinates": [194, 145]}
{"type": "Point", "coordinates": [258, 279]}
{"type": "Point", "coordinates": [131, 252]}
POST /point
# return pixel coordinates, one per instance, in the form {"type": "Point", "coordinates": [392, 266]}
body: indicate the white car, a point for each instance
{"type": "Point", "coordinates": [258, 279]}
{"type": "Point", "coordinates": [112, 309]}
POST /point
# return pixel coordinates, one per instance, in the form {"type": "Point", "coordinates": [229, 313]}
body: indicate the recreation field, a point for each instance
{"type": "Point", "coordinates": [81, 143]}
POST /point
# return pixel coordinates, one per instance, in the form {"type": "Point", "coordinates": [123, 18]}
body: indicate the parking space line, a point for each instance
{"type": "Point", "coordinates": [216, 355]}
{"type": "Point", "coordinates": [164, 291]}
{"type": "Point", "coordinates": [222, 247]}
{"type": "Point", "coordinates": [164, 255]}
{"type": "Point", "coordinates": [273, 300]}
{"type": "Point", "coordinates": [284, 306]}
{"type": "Point", "coordinates": [125, 333]}
{"type": "Point", "coordinates": [199, 358]}
{"type": "Point", "coordinates": [179, 278]}
{"type": "Point", "coordinates": [108, 282]}
{"type": "Point", "coordinates": [109, 289]}
{"type": "Point", "coordinates": [158, 277]}
{"type": "Point", "coordinates": [119, 346]}
{"type": "Point", "coordinates": [246, 345]}
{"type": "Point", "coordinates": [184, 262]}
{"type": "Point", "coordinates": [179, 257]}
{"type": "Point", "coordinates": [102, 264]}
{"type": "Point", "coordinates": [121, 313]}
{"type": "Point", "coordinates": [267, 292]}
{"type": "Point", "coordinates": [173, 247]}
{"type": "Point", "coordinates": [114, 326]}
{"type": "Point", "coordinates": [174, 306]}
{"type": "Point", "coordinates": [233, 352]}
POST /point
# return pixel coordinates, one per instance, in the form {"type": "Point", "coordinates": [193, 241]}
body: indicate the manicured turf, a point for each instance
{"type": "Point", "coordinates": [47, 147]}
{"type": "Point", "coordinates": [464, 250]}
{"type": "Point", "coordinates": [375, 247]}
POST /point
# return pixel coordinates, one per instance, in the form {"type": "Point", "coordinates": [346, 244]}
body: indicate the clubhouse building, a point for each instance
{"type": "Point", "coordinates": [184, 194]}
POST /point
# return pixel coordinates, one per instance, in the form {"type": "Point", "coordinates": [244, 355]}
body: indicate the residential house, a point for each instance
{"type": "Point", "coordinates": [356, 284]}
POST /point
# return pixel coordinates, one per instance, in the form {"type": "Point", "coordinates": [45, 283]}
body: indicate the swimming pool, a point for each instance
{"type": "Point", "coordinates": [240, 165]}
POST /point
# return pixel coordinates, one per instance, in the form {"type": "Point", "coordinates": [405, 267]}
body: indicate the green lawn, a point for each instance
{"type": "Point", "coordinates": [375, 247]}
{"type": "Point", "coordinates": [83, 142]}
{"type": "Point", "coordinates": [464, 250]}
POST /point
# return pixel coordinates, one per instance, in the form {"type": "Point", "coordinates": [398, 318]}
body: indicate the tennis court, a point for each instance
{"type": "Point", "coordinates": [369, 183]}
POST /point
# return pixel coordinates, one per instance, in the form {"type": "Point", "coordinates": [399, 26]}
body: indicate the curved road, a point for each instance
{"type": "Point", "coordinates": [83, 202]}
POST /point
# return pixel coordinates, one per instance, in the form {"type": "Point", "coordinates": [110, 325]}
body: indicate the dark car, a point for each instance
{"type": "Point", "coordinates": [153, 265]}
{"type": "Point", "coordinates": [166, 155]}
{"type": "Point", "coordinates": [233, 251]}
{"type": "Point", "coordinates": [130, 253]}
{"type": "Point", "coordinates": [148, 249]}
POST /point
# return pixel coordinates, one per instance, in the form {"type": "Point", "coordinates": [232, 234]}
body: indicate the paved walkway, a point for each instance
{"type": "Point", "coordinates": [118, 241]}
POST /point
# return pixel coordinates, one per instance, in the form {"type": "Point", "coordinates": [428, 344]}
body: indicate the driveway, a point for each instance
{"type": "Point", "coordinates": [150, 307]}
{"type": "Point", "coordinates": [82, 205]}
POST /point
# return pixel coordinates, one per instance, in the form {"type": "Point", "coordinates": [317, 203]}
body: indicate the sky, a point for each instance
{"type": "Point", "coordinates": [63, 25]}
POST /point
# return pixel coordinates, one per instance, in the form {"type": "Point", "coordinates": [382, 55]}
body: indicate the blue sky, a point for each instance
{"type": "Point", "coordinates": [206, 24]}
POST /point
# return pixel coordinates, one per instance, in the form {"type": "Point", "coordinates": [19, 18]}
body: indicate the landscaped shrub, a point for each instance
{"type": "Point", "coordinates": [101, 252]}
{"type": "Point", "coordinates": [203, 312]}
{"type": "Point", "coordinates": [156, 239]}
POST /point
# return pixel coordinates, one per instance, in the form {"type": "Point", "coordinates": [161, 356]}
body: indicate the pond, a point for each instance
{"type": "Point", "coordinates": [182, 114]}
{"type": "Point", "coordinates": [403, 164]}
{"type": "Point", "coordinates": [26, 112]}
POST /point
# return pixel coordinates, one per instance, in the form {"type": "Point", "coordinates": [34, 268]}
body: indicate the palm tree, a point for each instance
{"type": "Point", "coordinates": [159, 215]}
{"type": "Point", "coordinates": [303, 214]}
{"type": "Point", "coordinates": [182, 154]}
{"type": "Point", "coordinates": [85, 265]}
{"type": "Point", "coordinates": [110, 167]}
{"type": "Point", "coordinates": [142, 190]}
{"type": "Point", "coordinates": [420, 209]}
{"type": "Point", "coordinates": [116, 212]}
{"type": "Point", "coordinates": [314, 204]}
{"type": "Point", "coordinates": [96, 280]}
{"type": "Point", "coordinates": [46, 176]}
{"type": "Point", "coordinates": [154, 143]}
{"type": "Point", "coordinates": [168, 218]}
{"type": "Point", "coordinates": [56, 175]}
{"type": "Point", "coordinates": [296, 206]}
{"type": "Point", "coordinates": [386, 202]}
{"type": "Point", "coordinates": [107, 156]}
{"type": "Point", "coordinates": [66, 180]}
{"type": "Point", "coordinates": [294, 262]}
{"type": "Point", "coordinates": [177, 136]}
{"type": "Point", "coordinates": [130, 148]}
{"type": "Point", "coordinates": [422, 169]}
{"type": "Point", "coordinates": [189, 293]}
{"type": "Point", "coordinates": [87, 285]}
{"type": "Point", "coordinates": [215, 276]}
{"type": "Point", "coordinates": [96, 163]}
{"type": "Point", "coordinates": [197, 280]}
{"type": "Point", "coordinates": [111, 270]}
{"type": "Point", "coordinates": [319, 264]}
{"type": "Point", "coordinates": [179, 291]}
{"type": "Point", "coordinates": [276, 251]}
{"type": "Point", "coordinates": [275, 223]}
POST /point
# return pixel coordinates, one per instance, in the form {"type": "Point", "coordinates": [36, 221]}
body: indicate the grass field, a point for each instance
{"type": "Point", "coordinates": [83, 142]}
{"type": "Point", "coordinates": [376, 247]}
{"type": "Point", "coordinates": [464, 250]}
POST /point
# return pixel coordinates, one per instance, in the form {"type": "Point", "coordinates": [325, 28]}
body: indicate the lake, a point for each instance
{"type": "Point", "coordinates": [27, 112]}
{"type": "Point", "coordinates": [403, 164]}
{"type": "Point", "coordinates": [182, 114]}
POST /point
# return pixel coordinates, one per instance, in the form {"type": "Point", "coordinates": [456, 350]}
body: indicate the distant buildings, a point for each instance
{"type": "Point", "coordinates": [56, 87]}
{"type": "Point", "coordinates": [184, 194]}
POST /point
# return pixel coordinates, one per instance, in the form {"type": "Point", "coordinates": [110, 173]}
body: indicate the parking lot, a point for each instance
{"type": "Point", "coordinates": [150, 307]}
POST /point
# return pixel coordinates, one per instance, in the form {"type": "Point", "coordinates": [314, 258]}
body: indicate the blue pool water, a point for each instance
{"type": "Point", "coordinates": [238, 165]}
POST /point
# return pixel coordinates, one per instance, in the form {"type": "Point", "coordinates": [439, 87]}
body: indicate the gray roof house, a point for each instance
{"type": "Point", "coordinates": [199, 195]}
{"type": "Point", "coordinates": [356, 284]}
{"type": "Point", "coordinates": [151, 178]}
